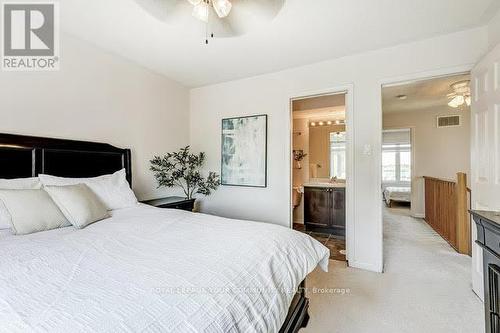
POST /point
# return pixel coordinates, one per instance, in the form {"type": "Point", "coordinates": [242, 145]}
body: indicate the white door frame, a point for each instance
{"type": "Point", "coordinates": [348, 90]}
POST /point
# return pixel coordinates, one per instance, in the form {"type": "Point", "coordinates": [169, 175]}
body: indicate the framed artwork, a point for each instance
{"type": "Point", "coordinates": [244, 151]}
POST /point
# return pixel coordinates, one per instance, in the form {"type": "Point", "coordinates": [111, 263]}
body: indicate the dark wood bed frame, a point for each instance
{"type": "Point", "coordinates": [27, 156]}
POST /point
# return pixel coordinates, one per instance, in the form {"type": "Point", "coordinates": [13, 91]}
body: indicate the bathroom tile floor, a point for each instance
{"type": "Point", "coordinates": [332, 242]}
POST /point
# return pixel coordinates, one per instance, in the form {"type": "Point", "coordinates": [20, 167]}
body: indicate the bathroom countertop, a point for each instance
{"type": "Point", "coordinates": [325, 185]}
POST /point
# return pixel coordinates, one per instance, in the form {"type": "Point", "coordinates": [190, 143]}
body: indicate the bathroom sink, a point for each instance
{"type": "Point", "coordinates": [324, 184]}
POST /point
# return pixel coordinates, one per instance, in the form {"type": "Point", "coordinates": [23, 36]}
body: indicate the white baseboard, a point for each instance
{"type": "Point", "coordinates": [418, 215]}
{"type": "Point", "coordinates": [366, 266]}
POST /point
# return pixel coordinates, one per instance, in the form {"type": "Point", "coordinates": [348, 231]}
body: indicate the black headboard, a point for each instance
{"type": "Point", "coordinates": [27, 156]}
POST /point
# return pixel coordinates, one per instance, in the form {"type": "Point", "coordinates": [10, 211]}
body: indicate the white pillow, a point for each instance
{"type": "Point", "coordinates": [113, 190]}
{"type": "Point", "coordinates": [78, 204]}
{"type": "Point", "coordinates": [15, 184]}
{"type": "Point", "coordinates": [32, 211]}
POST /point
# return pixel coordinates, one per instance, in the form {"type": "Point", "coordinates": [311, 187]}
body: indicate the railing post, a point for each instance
{"type": "Point", "coordinates": [463, 227]}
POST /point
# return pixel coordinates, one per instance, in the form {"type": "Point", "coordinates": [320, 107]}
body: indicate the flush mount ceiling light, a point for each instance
{"type": "Point", "coordinates": [460, 95]}
{"type": "Point", "coordinates": [218, 18]}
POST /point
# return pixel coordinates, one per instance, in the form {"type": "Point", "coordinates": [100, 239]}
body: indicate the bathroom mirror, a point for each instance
{"type": "Point", "coordinates": [337, 155]}
{"type": "Point", "coordinates": [327, 152]}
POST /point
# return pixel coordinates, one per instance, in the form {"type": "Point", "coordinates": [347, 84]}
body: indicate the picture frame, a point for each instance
{"type": "Point", "coordinates": [244, 151]}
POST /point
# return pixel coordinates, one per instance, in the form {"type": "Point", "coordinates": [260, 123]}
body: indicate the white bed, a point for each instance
{"type": "Point", "coordinates": [151, 269]}
{"type": "Point", "coordinates": [398, 194]}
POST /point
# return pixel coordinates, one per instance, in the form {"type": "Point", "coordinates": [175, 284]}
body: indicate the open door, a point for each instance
{"type": "Point", "coordinates": [485, 148]}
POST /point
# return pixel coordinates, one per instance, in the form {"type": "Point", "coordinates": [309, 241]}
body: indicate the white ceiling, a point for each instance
{"type": "Point", "coordinates": [421, 95]}
{"type": "Point", "coordinates": [305, 31]}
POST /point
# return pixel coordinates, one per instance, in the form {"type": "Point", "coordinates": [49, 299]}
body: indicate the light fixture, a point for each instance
{"type": "Point", "coordinates": [221, 18]}
{"type": "Point", "coordinates": [460, 94]}
{"type": "Point", "coordinates": [325, 123]}
{"type": "Point", "coordinates": [200, 11]}
{"type": "Point", "coordinates": [222, 7]}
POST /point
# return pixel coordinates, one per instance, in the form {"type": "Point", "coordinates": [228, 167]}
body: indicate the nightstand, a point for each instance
{"type": "Point", "coordinates": [172, 202]}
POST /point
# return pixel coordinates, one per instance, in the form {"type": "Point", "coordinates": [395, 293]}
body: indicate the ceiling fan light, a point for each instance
{"type": "Point", "coordinates": [457, 101]}
{"type": "Point", "coordinates": [200, 11]}
{"type": "Point", "coordinates": [222, 7]}
{"type": "Point", "coordinates": [194, 2]}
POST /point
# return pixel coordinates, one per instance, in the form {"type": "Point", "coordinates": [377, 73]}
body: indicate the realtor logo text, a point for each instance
{"type": "Point", "coordinates": [31, 36]}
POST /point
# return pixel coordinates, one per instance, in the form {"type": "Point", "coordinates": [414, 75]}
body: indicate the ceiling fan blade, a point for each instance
{"type": "Point", "coordinates": [245, 15]}
{"type": "Point", "coordinates": [248, 14]}
{"type": "Point", "coordinates": [164, 10]}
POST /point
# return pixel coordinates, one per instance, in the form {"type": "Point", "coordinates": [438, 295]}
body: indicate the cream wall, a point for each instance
{"type": "Point", "coordinates": [437, 152]}
{"type": "Point", "coordinates": [101, 97]}
{"type": "Point", "coordinates": [271, 93]}
{"type": "Point", "coordinates": [300, 176]}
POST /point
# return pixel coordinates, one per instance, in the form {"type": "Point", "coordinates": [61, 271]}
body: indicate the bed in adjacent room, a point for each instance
{"type": "Point", "coordinates": [397, 194]}
{"type": "Point", "coordinates": [142, 268]}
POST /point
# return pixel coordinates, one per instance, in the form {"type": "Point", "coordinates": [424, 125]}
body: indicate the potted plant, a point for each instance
{"type": "Point", "coordinates": [182, 169]}
{"type": "Point", "coordinates": [298, 155]}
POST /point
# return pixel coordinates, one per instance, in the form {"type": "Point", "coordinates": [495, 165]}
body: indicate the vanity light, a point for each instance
{"type": "Point", "coordinates": [337, 122]}
{"type": "Point", "coordinates": [313, 124]}
{"type": "Point", "coordinates": [328, 122]}
{"type": "Point", "coordinates": [321, 123]}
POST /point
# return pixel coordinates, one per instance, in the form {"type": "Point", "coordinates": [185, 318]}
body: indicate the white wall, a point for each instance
{"type": "Point", "coordinates": [97, 96]}
{"type": "Point", "coordinates": [270, 94]}
{"type": "Point", "coordinates": [438, 152]}
{"type": "Point", "coordinates": [494, 31]}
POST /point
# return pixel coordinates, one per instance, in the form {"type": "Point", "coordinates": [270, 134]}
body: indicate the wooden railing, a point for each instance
{"type": "Point", "coordinates": [446, 210]}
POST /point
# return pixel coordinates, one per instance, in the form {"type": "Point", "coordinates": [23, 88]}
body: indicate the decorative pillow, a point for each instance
{"type": "Point", "coordinates": [15, 184]}
{"type": "Point", "coordinates": [113, 190]}
{"type": "Point", "coordinates": [78, 203]}
{"type": "Point", "coordinates": [32, 211]}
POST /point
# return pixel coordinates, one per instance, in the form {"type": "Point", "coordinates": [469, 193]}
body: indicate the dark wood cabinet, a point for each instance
{"type": "Point", "coordinates": [488, 237]}
{"type": "Point", "coordinates": [172, 202]}
{"type": "Point", "coordinates": [324, 209]}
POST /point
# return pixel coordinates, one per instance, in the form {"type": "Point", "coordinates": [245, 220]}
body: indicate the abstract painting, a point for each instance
{"type": "Point", "coordinates": [244, 151]}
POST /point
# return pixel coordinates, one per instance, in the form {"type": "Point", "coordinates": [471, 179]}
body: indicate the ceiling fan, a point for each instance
{"type": "Point", "coordinates": [219, 18]}
{"type": "Point", "coordinates": [460, 95]}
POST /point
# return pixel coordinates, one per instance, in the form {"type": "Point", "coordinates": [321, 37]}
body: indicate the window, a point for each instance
{"type": "Point", "coordinates": [396, 163]}
{"type": "Point", "coordinates": [337, 155]}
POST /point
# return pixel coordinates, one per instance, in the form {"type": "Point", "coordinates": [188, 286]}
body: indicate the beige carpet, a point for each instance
{"type": "Point", "coordinates": [425, 288]}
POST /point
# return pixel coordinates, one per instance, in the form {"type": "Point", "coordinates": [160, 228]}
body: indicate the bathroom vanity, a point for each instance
{"type": "Point", "coordinates": [324, 208]}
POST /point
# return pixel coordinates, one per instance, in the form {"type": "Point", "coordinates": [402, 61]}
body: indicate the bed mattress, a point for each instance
{"type": "Point", "coordinates": [400, 194]}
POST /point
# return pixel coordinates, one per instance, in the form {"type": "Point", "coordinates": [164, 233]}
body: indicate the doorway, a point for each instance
{"type": "Point", "coordinates": [397, 167]}
{"type": "Point", "coordinates": [320, 165]}
{"type": "Point", "coordinates": [426, 157]}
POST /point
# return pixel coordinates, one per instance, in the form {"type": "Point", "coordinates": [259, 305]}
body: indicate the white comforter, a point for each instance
{"type": "Point", "coordinates": [401, 194]}
{"type": "Point", "coordinates": [159, 270]}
